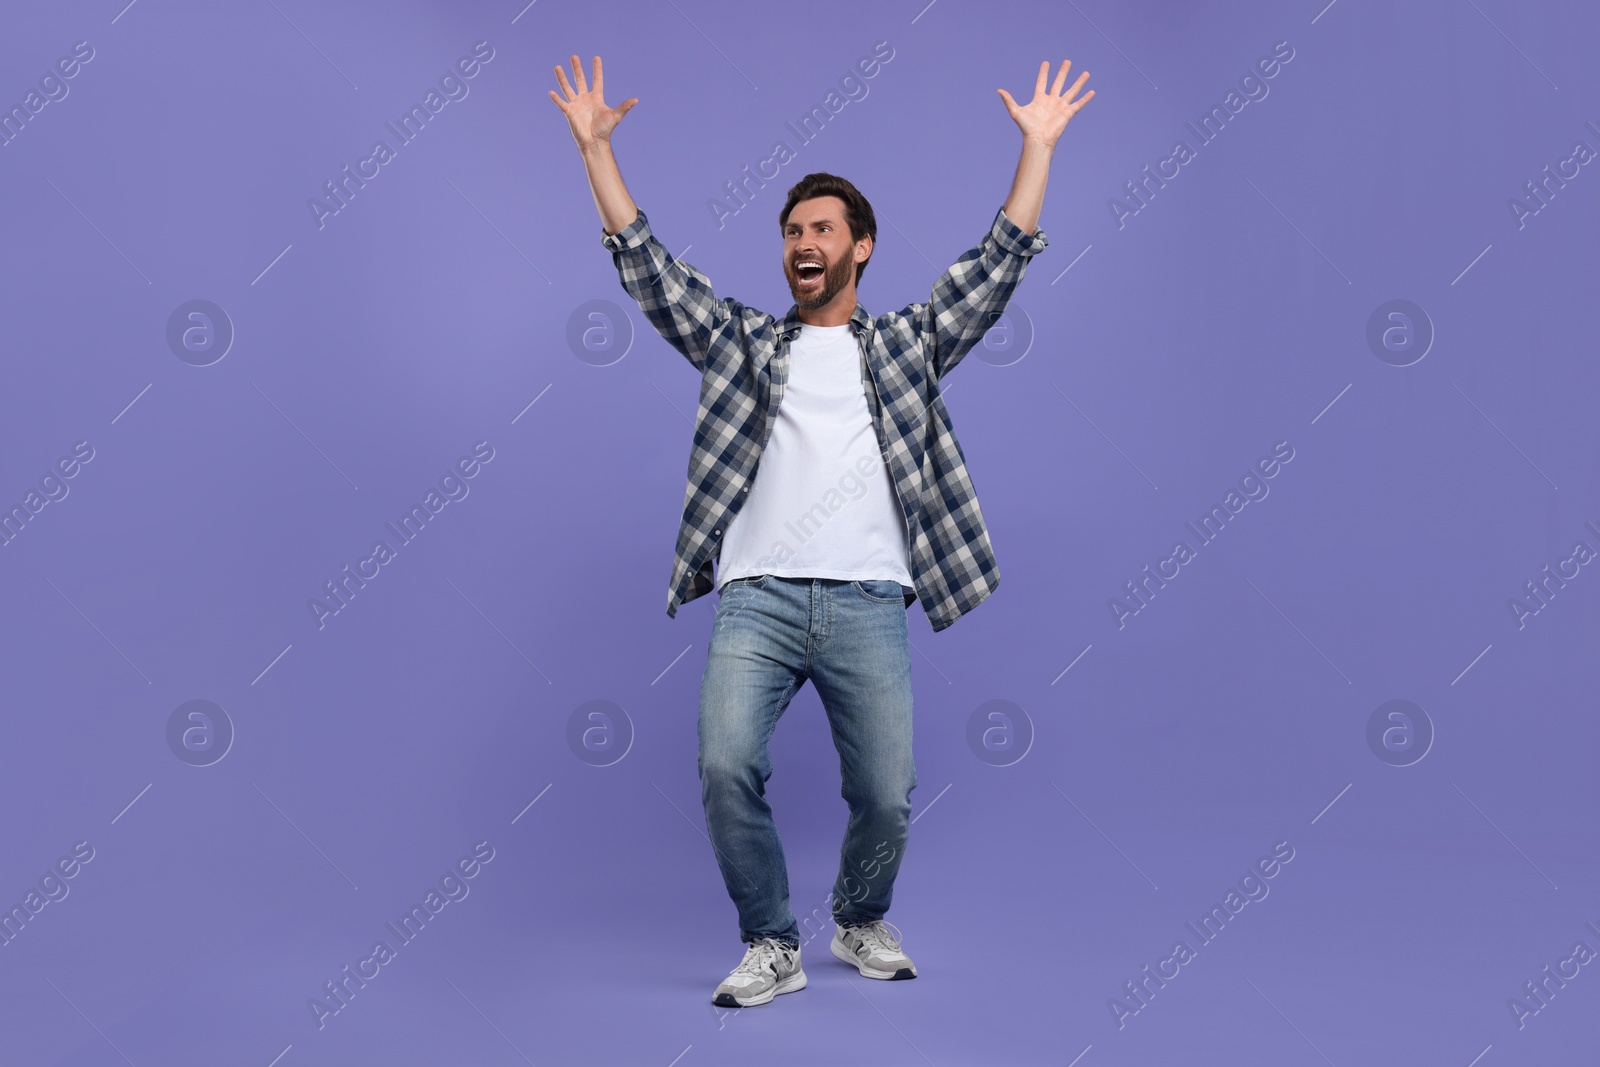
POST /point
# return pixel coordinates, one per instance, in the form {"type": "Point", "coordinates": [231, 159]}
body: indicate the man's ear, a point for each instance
{"type": "Point", "coordinates": [861, 257]}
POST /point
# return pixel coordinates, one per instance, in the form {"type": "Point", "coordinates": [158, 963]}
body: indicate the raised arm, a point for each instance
{"type": "Point", "coordinates": [1042, 122]}
{"type": "Point", "coordinates": [972, 295]}
{"type": "Point", "coordinates": [677, 299]}
{"type": "Point", "coordinates": [591, 122]}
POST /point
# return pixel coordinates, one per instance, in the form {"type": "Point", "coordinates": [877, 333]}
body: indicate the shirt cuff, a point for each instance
{"type": "Point", "coordinates": [632, 235]}
{"type": "Point", "coordinates": [1009, 236]}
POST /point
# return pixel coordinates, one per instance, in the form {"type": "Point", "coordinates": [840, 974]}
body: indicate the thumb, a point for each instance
{"type": "Point", "coordinates": [626, 106]}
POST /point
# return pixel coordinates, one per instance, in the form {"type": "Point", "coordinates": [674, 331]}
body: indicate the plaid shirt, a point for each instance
{"type": "Point", "coordinates": [743, 358]}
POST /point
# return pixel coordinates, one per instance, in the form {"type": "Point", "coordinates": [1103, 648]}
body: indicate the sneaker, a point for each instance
{"type": "Point", "coordinates": [873, 950]}
{"type": "Point", "coordinates": [769, 967]}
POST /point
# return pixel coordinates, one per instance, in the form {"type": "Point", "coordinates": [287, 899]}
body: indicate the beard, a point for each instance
{"type": "Point", "coordinates": [835, 276]}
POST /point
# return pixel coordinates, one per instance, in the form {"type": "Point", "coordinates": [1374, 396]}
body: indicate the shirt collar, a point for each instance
{"type": "Point", "coordinates": [791, 322]}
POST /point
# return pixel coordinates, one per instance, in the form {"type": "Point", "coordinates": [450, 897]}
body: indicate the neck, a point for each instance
{"type": "Point", "coordinates": [836, 312]}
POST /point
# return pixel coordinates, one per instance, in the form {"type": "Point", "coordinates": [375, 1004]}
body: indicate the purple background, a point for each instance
{"type": "Point", "coordinates": [432, 712]}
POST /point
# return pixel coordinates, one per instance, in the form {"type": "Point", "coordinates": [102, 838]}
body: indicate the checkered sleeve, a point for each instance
{"type": "Point", "coordinates": [971, 296]}
{"type": "Point", "coordinates": [676, 298]}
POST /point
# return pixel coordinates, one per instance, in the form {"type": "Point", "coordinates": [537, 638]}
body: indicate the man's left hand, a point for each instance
{"type": "Point", "coordinates": [1046, 115]}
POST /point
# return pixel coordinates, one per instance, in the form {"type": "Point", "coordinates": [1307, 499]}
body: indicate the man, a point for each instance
{"type": "Point", "coordinates": [863, 505]}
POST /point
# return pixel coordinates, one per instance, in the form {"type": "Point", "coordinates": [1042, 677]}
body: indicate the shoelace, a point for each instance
{"type": "Point", "coordinates": [761, 955]}
{"type": "Point", "coordinates": [876, 936]}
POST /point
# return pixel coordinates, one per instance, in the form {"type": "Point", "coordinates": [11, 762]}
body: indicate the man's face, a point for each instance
{"type": "Point", "coordinates": [816, 233]}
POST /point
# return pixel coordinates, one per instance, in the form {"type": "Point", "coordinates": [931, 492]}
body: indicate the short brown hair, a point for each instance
{"type": "Point", "coordinates": [857, 211]}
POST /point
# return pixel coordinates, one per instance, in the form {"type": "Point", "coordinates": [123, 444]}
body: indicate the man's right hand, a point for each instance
{"type": "Point", "coordinates": [587, 114]}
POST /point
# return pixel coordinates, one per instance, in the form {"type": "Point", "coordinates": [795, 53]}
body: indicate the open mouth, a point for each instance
{"type": "Point", "coordinates": [808, 273]}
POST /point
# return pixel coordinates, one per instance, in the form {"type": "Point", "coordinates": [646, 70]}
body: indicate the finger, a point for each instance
{"type": "Point", "coordinates": [559, 102]}
{"type": "Point", "coordinates": [1044, 71]}
{"type": "Point", "coordinates": [1077, 85]}
{"type": "Point", "coordinates": [561, 75]}
{"type": "Point", "coordinates": [598, 76]}
{"type": "Point", "coordinates": [577, 70]}
{"type": "Point", "coordinates": [1055, 89]}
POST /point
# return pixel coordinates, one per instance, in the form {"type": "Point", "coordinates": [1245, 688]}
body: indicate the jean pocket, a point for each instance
{"type": "Point", "coordinates": [753, 581]}
{"type": "Point", "coordinates": [881, 590]}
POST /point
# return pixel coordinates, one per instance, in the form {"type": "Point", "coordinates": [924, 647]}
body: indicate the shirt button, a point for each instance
{"type": "Point", "coordinates": [746, 489]}
{"type": "Point", "coordinates": [717, 532]}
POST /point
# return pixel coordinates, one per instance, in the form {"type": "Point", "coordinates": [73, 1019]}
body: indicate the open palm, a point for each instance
{"type": "Point", "coordinates": [1046, 115]}
{"type": "Point", "coordinates": [591, 120]}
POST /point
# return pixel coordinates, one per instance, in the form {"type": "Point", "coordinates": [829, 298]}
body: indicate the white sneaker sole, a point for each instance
{"type": "Point", "coordinates": [795, 981]}
{"type": "Point", "coordinates": [867, 972]}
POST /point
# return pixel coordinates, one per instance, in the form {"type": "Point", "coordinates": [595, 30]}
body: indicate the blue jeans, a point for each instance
{"type": "Point", "coordinates": [849, 638]}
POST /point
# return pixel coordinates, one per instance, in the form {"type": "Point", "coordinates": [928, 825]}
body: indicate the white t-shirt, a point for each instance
{"type": "Point", "coordinates": [823, 504]}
